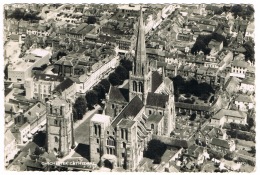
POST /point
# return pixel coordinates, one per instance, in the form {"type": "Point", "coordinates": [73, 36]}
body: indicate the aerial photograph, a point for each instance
{"type": "Point", "coordinates": [129, 87]}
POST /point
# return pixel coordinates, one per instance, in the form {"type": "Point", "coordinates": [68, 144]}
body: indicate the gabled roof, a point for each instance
{"type": "Point", "coordinates": [126, 123]}
{"type": "Point", "coordinates": [131, 109]}
{"type": "Point", "coordinates": [194, 150]}
{"type": "Point", "coordinates": [157, 100]}
{"type": "Point", "coordinates": [35, 110]}
{"type": "Point", "coordinates": [46, 77]}
{"type": "Point", "coordinates": [220, 142]}
{"type": "Point", "coordinates": [9, 137]}
{"type": "Point", "coordinates": [64, 85]}
{"type": "Point", "coordinates": [244, 98]}
{"type": "Point", "coordinates": [116, 95]}
{"type": "Point", "coordinates": [240, 63]}
{"type": "Point", "coordinates": [156, 81]}
{"type": "Point", "coordinates": [154, 118]}
{"type": "Point", "coordinates": [227, 112]}
{"type": "Point", "coordinates": [248, 81]}
{"type": "Point", "coordinates": [192, 106]}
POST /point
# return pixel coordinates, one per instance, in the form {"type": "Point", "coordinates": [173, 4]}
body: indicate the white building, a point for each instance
{"type": "Point", "coordinates": [21, 69]}
{"type": "Point", "coordinates": [10, 146]}
{"type": "Point", "coordinates": [98, 71]}
{"type": "Point", "coordinates": [41, 86]}
{"type": "Point", "coordinates": [229, 116]}
{"type": "Point", "coordinates": [238, 69]}
{"type": "Point", "coordinates": [247, 85]}
{"type": "Point", "coordinates": [244, 102]}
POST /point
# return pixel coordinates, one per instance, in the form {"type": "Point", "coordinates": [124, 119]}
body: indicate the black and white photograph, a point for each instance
{"type": "Point", "coordinates": [129, 87]}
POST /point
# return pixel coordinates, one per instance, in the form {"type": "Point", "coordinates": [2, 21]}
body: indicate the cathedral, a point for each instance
{"type": "Point", "coordinates": [119, 137]}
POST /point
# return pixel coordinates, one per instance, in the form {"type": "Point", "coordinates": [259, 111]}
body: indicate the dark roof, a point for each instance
{"type": "Point", "coordinates": [154, 118]}
{"type": "Point", "coordinates": [192, 106]}
{"type": "Point", "coordinates": [126, 123]}
{"type": "Point", "coordinates": [64, 85]}
{"type": "Point", "coordinates": [7, 91]}
{"type": "Point", "coordinates": [116, 94]}
{"type": "Point", "coordinates": [194, 150]}
{"type": "Point", "coordinates": [220, 142]}
{"type": "Point", "coordinates": [47, 77]}
{"type": "Point", "coordinates": [156, 80]}
{"type": "Point", "coordinates": [132, 109]}
{"type": "Point", "coordinates": [157, 100]}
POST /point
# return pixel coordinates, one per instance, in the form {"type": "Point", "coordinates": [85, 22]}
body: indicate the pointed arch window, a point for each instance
{"type": "Point", "coordinates": [141, 87]}
{"type": "Point", "coordinates": [134, 86]}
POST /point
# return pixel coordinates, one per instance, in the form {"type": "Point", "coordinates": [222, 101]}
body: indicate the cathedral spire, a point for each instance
{"type": "Point", "coordinates": [140, 50]}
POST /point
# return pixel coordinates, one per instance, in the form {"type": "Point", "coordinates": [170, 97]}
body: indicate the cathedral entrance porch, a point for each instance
{"type": "Point", "coordinates": [109, 161]}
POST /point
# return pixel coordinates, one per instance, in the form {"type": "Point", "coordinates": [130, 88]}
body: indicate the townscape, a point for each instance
{"type": "Point", "coordinates": [129, 87]}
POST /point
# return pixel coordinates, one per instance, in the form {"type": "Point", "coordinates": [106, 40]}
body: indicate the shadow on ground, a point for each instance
{"type": "Point", "coordinates": [83, 150]}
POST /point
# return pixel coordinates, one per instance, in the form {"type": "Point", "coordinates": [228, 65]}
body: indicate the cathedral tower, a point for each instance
{"type": "Point", "coordinates": [139, 77]}
{"type": "Point", "coordinates": [59, 126]}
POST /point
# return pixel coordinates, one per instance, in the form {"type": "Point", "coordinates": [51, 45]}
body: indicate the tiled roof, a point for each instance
{"type": "Point", "coordinates": [156, 81]}
{"type": "Point", "coordinates": [64, 85]}
{"type": "Point", "coordinates": [192, 106]}
{"type": "Point", "coordinates": [157, 100]}
{"type": "Point", "coordinates": [194, 150]}
{"type": "Point", "coordinates": [220, 142]}
{"type": "Point", "coordinates": [9, 137]}
{"type": "Point", "coordinates": [244, 98]}
{"type": "Point", "coordinates": [154, 118]}
{"type": "Point", "coordinates": [132, 109]}
{"type": "Point", "coordinates": [248, 81]}
{"type": "Point", "coordinates": [240, 63]}
{"type": "Point", "coordinates": [46, 77]}
{"type": "Point", "coordinates": [126, 123]}
{"type": "Point", "coordinates": [227, 112]}
{"type": "Point", "coordinates": [116, 95]}
{"type": "Point", "coordinates": [35, 110]}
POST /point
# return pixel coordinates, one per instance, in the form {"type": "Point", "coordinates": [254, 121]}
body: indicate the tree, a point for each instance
{"type": "Point", "coordinates": [236, 10]}
{"type": "Point", "coordinates": [105, 83]}
{"type": "Point", "coordinates": [99, 88]}
{"type": "Point", "coordinates": [220, 38]}
{"type": "Point", "coordinates": [250, 122]}
{"type": "Point", "coordinates": [229, 156]}
{"type": "Point", "coordinates": [122, 72]}
{"type": "Point", "coordinates": [80, 107]}
{"type": "Point", "coordinates": [127, 64]}
{"type": "Point", "coordinates": [91, 20]}
{"type": "Point", "coordinates": [155, 149]}
{"type": "Point", "coordinates": [38, 151]}
{"type": "Point", "coordinates": [92, 98]}
{"type": "Point", "coordinates": [18, 14]}
{"type": "Point", "coordinates": [193, 117]}
{"type": "Point", "coordinates": [114, 79]}
{"type": "Point", "coordinates": [250, 52]}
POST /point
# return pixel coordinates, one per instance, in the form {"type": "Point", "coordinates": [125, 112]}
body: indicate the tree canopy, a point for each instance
{"type": "Point", "coordinates": [155, 149]}
{"type": "Point", "coordinates": [105, 84]}
{"type": "Point", "coordinates": [114, 79]}
{"type": "Point", "coordinates": [80, 108]}
{"type": "Point", "coordinates": [92, 98]}
{"type": "Point", "coordinates": [122, 72]}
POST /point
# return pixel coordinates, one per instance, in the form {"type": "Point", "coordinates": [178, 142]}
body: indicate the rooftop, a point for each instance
{"type": "Point", "coordinates": [128, 111]}
{"type": "Point", "coordinates": [157, 100]}
{"type": "Point", "coordinates": [227, 112]}
{"type": "Point", "coordinates": [244, 98]}
{"type": "Point", "coordinates": [126, 123]}
{"type": "Point", "coordinates": [220, 142]}
{"type": "Point", "coordinates": [154, 118]}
